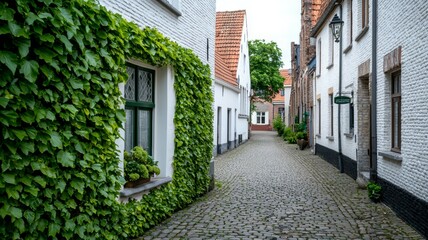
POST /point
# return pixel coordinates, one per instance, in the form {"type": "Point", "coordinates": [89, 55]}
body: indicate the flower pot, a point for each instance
{"type": "Point", "coordinates": [136, 183]}
{"type": "Point", "coordinates": [302, 143]}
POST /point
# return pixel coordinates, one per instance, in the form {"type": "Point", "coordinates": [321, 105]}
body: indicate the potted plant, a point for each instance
{"type": "Point", "coordinates": [302, 139]}
{"type": "Point", "coordinates": [139, 167]}
{"type": "Point", "coordinates": [374, 191]}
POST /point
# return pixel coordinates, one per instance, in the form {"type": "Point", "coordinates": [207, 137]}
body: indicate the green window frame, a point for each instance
{"type": "Point", "coordinates": [139, 95]}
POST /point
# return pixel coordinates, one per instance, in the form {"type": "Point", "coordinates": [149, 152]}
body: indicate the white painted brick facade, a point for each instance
{"type": "Point", "coordinates": [190, 30]}
{"type": "Point", "coordinates": [358, 53]}
{"type": "Point", "coordinates": [405, 24]}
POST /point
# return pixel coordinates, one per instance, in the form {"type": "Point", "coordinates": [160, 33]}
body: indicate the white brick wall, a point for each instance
{"type": "Point", "coordinates": [190, 30]}
{"type": "Point", "coordinates": [405, 24]}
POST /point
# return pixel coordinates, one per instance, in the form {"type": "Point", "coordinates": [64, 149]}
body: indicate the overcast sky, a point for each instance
{"type": "Point", "coordinates": [272, 20]}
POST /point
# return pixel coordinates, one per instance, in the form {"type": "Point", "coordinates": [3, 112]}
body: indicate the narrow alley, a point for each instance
{"type": "Point", "coordinates": [268, 189]}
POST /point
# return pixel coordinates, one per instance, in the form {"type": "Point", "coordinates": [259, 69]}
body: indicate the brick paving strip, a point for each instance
{"type": "Point", "coordinates": [272, 190]}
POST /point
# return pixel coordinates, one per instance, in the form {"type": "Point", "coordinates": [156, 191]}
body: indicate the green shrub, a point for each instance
{"type": "Point", "coordinates": [278, 125]}
{"type": "Point", "coordinates": [291, 138]}
{"type": "Point", "coordinates": [301, 135]}
{"type": "Point", "coordinates": [61, 63]}
{"type": "Point", "coordinates": [287, 131]}
{"type": "Point", "coordinates": [374, 191]}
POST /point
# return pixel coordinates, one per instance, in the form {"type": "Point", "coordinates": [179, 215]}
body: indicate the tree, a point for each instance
{"type": "Point", "coordinates": [265, 62]}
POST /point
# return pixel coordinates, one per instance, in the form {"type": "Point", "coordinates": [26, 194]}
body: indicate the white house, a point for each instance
{"type": "Point", "coordinates": [232, 81]}
{"type": "Point", "coordinates": [383, 130]}
{"type": "Point", "coordinates": [192, 25]}
{"type": "Point", "coordinates": [351, 53]}
{"type": "Point", "coordinates": [402, 109]}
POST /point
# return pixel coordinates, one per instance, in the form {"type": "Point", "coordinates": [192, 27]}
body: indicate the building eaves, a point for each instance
{"type": "Point", "coordinates": [324, 17]}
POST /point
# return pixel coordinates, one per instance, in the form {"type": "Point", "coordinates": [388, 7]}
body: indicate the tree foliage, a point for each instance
{"type": "Point", "coordinates": [265, 62]}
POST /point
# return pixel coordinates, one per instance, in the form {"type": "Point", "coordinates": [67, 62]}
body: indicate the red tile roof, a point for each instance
{"type": "Point", "coordinates": [229, 26]}
{"type": "Point", "coordinates": [287, 81]}
{"type": "Point", "coordinates": [222, 71]}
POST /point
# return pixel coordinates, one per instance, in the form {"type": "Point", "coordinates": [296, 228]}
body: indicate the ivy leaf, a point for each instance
{"type": "Point", "coordinates": [56, 140]}
{"type": "Point", "coordinates": [40, 181]}
{"type": "Point", "coordinates": [48, 172]}
{"type": "Point", "coordinates": [9, 59]}
{"type": "Point", "coordinates": [27, 147]}
{"type": "Point", "coordinates": [20, 134]}
{"type": "Point", "coordinates": [45, 54]}
{"type": "Point", "coordinates": [9, 178]}
{"type": "Point", "coordinates": [91, 58]}
{"type": "Point", "coordinates": [12, 193]}
{"type": "Point", "coordinates": [15, 212]}
{"type": "Point", "coordinates": [6, 14]}
{"type": "Point", "coordinates": [31, 17]}
{"type": "Point", "coordinates": [30, 69]}
{"type": "Point", "coordinates": [75, 84]}
{"type": "Point", "coordinates": [67, 43]}
{"type": "Point", "coordinates": [61, 185]}
{"type": "Point", "coordinates": [47, 38]}
{"type": "Point", "coordinates": [3, 102]}
{"type": "Point", "coordinates": [32, 190]}
{"type": "Point", "coordinates": [20, 225]}
{"type": "Point", "coordinates": [30, 216]}
{"type": "Point", "coordinates": [65, 158]}
{"type": "Point", "coordinates": [53, 229]}
{"type": "Point", "coordinates": [15, 29]}
{"type": "Point", "coordinates": [23, 47]}
{"type": "Point", "coordinates": [71, 108]}
{"type": "Point", "coordinates": [66, 14]}
{"type": "Point", "coordinates": [78, 185]}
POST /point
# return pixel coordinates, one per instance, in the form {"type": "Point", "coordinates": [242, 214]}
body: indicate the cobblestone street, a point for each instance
{"type": "Point", "coordinates": [271, 190]}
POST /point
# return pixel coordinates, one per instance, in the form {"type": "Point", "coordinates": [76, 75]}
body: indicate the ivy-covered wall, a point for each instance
{"type": "Point", "coordinates": [61, 63]}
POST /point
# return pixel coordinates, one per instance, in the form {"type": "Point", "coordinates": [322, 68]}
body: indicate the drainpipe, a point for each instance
{"type": "Point", "coordinates": [340, 94]}
{"type": "Point", "coordinates": [373, 125]}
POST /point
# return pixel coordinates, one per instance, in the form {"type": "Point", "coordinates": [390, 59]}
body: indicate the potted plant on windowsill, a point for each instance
{"type": "Point", "coordinates": [302, 139]}
{"type": "Point", "coordinates": [139, 167]}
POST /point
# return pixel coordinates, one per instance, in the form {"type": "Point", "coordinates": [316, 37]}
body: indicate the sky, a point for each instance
{"type": "Point", "coordinates": [272, 20]}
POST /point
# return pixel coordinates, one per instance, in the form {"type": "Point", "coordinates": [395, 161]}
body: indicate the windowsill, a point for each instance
{"type": "Point", "coordinates": [318, 135]}
{"type": "Point", "coordinates": [330, 138]}
{"type": "Point", "coordinates": [362, 33]}
{"type": "Point", "coordinates": [391, 156]}
{"type": "Point", "coordinates": [349, 135]}
{"type": "Point", "coordinates": [348, 48]}
{"type": "Point", "coordinates": [330, 65]}
{"type": "Point", "coordinates": [245, 116]}
{"type": "Point", "coordinates": [170, 7]}
{"type": "Point", "coordinates": [154, 183]}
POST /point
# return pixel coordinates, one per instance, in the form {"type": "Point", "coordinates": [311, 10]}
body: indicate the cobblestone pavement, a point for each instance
{"type": "Point", "coordinates": [271, 190]}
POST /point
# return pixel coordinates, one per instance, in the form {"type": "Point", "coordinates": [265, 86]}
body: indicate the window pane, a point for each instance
{"type": "Point", "coordinates": [396, 123]}
{"type": "Point", "coordinates": [129, 125]}
{"type": "Point", "coordinates": [144, 129]}
{"type": "Point", "coordinates": [130, 84]}
{"type": "Point", "coordinates": [145, 86]}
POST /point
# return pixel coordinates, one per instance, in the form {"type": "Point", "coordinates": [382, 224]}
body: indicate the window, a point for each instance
{"type": "Point", "coordinates": [319, 116]}
{"type": "Point", "coordinates": [173, 5]}
{"type": "Point", "coordinates": [351, 117]}
{"type": "Point", "coordinates": [331, 114]}
{"type": "Point", "coordinates": [281, 112]}
{"type": "Point", "coordinates": [364, 13]}
{"type": "Point", "coordinates": [331, 51]}
{"type": "Point", "coordinates": [282, 91]}
{"type": "Point", "coordinates": [396, 111]}
{"type": "Point", "coordinates": [261, 117]}
{"type": "Point", "coordinates": [139, 96]}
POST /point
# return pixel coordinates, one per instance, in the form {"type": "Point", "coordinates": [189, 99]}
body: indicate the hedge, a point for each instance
{"type": "Point", "coordinates": [61, 63]}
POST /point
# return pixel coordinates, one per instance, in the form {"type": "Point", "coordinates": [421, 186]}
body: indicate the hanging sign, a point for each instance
{"type": "Point", "coordinates": [342, 100]}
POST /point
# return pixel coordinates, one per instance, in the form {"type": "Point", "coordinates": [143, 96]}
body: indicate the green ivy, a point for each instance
{"type": "Point", "coordinates": [61, 63]}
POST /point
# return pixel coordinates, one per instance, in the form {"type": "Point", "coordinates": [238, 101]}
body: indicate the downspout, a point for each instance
{"type": "Point", "coordinates": [341, 168]}
{"type": "Point", "coordinates": [373, 122]}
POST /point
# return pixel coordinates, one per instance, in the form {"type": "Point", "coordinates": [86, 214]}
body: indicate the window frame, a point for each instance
{"type": "Point", "coordinates": [260, 116]}
{"type": "Point", "coordinates": [319, 116]}
{"type": "Point", "coordinates": [396, 97]}
{"type": "Point", "coordinates": [136, 106]}
{"type": "Point", "coordinates": [364, 13]}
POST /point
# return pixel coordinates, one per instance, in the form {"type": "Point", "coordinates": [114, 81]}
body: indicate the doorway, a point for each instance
{"type": "Point", "coordinates": [364, 131]}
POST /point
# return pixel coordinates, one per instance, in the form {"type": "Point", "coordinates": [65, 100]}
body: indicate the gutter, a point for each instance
{"type": "Point", "coordinates": [373, 113]}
